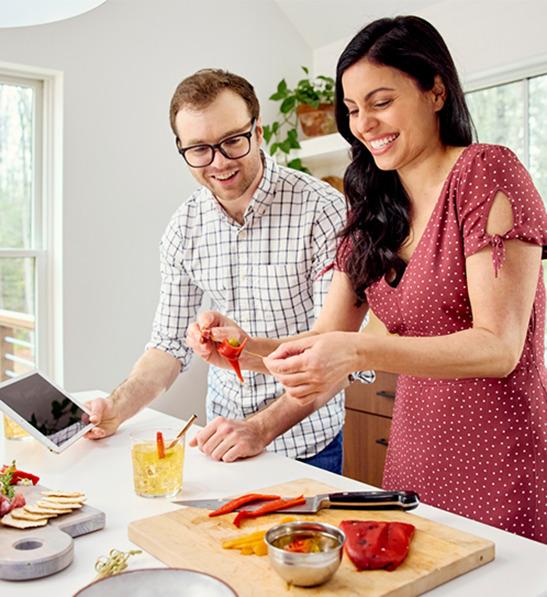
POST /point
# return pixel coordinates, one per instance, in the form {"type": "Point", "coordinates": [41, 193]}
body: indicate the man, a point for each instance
{"type": "Point", "coordinates": [254, 239]}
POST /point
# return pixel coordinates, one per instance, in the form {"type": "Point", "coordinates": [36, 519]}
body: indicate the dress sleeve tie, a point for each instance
{"type": "Point", "coordinates": [498, 252]}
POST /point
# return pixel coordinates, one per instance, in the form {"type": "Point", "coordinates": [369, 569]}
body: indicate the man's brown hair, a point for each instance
{"type": "Point", "coordinates": [201, 89]}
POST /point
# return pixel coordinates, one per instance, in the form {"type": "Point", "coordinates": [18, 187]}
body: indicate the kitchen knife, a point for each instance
{"type": "Point", "coordinates": [348, 500]}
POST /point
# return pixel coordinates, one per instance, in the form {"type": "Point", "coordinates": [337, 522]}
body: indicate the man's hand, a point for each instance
{"type": "Point", "coordinates": [210, 328]}
{"type": "Point", "coordinates": [104, 415]}
{"type": "Point", "coordinates": [229, 440]}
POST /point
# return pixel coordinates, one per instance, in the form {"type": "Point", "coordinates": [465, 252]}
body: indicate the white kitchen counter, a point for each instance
{"type": "Point", "coordinates": [103, 470]}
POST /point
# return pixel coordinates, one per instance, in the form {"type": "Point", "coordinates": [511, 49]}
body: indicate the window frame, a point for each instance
{"type": "Point", "coordinates": [518, 72]}
{"type": "Point", "coordinates": [47, 219]}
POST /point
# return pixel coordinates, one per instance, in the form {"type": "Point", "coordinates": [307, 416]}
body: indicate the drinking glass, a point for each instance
{"type": "Point", "coordinates": [154, 476]}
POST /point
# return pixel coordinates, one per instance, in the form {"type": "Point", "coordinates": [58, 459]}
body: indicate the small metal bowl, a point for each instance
{"type": "Point", "coordinates": [305, 569]}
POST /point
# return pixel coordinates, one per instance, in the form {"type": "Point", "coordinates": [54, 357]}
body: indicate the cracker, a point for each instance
{"type": "Point", "coordinates": [65, 500]}
{"type": "Point", "coordinates": [33, 509]}
{"type": "Point", "coordinates": [63, 505]}
{"type": "Point", "coordinates": [69, 496]}
{"type": "Point", "coordinates": [22, 514]}
{"type": "Point", "coordinates": [64, 494]}
{"type": "Point", "coordinates": [52, 508]}
{"type": "Point", "coordinates": [9, 521]}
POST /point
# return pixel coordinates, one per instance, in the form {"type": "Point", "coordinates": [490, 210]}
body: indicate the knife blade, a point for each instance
{"type": "Point", "coordinates": [348, 500]}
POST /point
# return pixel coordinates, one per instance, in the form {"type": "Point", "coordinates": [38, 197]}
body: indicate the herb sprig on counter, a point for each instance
{"type": "Point", "coordinates": [6, 488]}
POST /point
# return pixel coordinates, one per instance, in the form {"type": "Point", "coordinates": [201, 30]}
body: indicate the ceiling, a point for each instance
{"type": "Point", "coordinates": [321, 22]}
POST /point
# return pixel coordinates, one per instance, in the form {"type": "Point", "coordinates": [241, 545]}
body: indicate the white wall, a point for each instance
{"type": "Point", "coordinates": [481, 36]}
{"type": "Point", "coordinates": [122, 176]}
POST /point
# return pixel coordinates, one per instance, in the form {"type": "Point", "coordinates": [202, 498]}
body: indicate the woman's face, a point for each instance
{"type": "Point", "coordinates": [393, 118]}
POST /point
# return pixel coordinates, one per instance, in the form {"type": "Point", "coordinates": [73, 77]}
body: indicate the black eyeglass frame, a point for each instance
{"type": "Point", "coordinates": [218, 147]}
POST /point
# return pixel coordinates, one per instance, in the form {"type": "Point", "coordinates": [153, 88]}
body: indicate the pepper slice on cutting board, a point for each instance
{"type": "Point", "coordinates": [268, 508]}
{"type": "Point", "coordinates": [242, 500]}
{"type": "Point", "coordinates": [373, 545]}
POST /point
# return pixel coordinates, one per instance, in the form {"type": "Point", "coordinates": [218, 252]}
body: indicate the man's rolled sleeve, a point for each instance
{"type": "Point", "coordinates": [179, 301]}
{"type": "Point", "coordinates": [327, 225]}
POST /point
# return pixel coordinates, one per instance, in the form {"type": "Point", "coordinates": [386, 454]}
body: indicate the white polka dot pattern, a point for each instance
{"type": "Point", "coordinates": [476, 447]}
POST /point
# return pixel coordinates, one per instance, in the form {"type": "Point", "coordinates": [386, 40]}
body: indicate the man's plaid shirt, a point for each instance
{"type": "Point", "coordinates": [265, 275]}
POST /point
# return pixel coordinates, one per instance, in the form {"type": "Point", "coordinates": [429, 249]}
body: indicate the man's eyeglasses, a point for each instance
{"type": "Point", "coordinates": [233, 148]}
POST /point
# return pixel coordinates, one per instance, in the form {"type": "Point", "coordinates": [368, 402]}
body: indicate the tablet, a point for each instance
{"type": "Point", "coordinates": [44, 410]}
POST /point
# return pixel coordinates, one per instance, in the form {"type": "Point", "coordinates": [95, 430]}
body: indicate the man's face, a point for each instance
{"type": "Point", "coordinates": [228, 115]}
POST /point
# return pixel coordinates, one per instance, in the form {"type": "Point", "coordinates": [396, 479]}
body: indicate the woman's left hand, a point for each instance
{"type": "Point", "coordinates": [312, 367]}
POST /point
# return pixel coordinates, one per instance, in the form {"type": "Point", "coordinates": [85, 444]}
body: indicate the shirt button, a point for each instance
{"type": "Point", "coordinates": [242, 234]}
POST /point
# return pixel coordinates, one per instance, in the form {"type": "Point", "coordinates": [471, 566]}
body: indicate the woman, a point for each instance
{"type": "Point", "coordinates": [444, 242]}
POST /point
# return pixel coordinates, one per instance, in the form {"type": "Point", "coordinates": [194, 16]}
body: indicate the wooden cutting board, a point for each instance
{"type": "Point", "coordinates": [188, 538]}
{"type": "Point", "coordinates": [41, 551]}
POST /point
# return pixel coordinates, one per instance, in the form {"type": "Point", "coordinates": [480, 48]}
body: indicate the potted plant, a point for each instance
{"type": "Point", "coordinates": [311, 103]}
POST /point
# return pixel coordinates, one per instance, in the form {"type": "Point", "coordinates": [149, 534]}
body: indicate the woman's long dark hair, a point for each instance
{"type": "Point", "coordinates": [378, 206]}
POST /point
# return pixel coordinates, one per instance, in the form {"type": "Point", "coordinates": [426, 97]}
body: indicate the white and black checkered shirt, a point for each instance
{"type": "Point", "coordinates": [264, 275]}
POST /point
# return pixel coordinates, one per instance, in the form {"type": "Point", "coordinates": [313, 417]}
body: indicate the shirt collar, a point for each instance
{"type": "Point", "coordinates": [265, 191]}
{"type": "Point", "coordinates": [263, 196]}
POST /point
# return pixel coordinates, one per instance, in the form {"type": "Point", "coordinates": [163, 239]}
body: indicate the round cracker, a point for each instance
{"type": "Point", "coordinates": [16, 523]}
{"type": "Point", "coordinates": [22, 514]}
{"type": "Point", "coordinates": [67, 494]}
{"type": "Point", "coordinates": [65, 500]}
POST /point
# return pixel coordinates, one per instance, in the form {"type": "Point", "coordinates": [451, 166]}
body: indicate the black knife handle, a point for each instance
{"type": "Point", "coordinates": [374, 500]}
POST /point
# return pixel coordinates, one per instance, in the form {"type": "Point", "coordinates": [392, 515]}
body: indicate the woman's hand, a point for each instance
{"type": "Point", "coordinates": [316, 366]}
{"type": "Point", "coordinates": [209, 330]}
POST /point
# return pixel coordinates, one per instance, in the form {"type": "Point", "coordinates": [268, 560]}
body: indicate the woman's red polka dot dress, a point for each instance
{"type": "Point", "coordinates": [476, 447]}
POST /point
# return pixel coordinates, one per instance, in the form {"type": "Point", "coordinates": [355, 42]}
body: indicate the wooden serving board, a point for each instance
{"type": "Point", "coordinates": [188, 538]}
{"type": "Point", "coordinates": [41, 551]}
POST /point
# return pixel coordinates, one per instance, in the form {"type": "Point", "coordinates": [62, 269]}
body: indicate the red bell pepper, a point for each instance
{"type": "Point", "coordinates": [373, 545]}
{"type": "Point", "coordinates": [241, 501]}
{"type": "Point", "coordinates": [268, 508]}
{"type": "Point", "coordinates": [160, 446]}
{"type": "Point", "coordinates": [18, 475]}
{"type": "Point", "coordinates": [231, 350]}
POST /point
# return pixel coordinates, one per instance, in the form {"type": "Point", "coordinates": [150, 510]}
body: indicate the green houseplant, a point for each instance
{"type": "Point", "coordinates": [309, 94]}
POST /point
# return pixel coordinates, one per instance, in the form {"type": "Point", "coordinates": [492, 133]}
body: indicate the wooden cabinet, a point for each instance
{"type": "Point", "coordinates": [368, 419]}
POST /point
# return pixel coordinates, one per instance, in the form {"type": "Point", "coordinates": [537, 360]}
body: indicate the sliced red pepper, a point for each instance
{"type": "Point", "coordinates": [160, 446]}
{"type": "Point", "coordinates": [231, 350]}
{"type": "Point", "coordinates": [373, 545]}
{"type": "Point", "coordinates": [298, 546]}
{"type": "Point", "coordinates": [268, 508]}
{"type": "Point", "coordinates": [17, 475]}
{"type": "Point", "coordinates": [241, 501]}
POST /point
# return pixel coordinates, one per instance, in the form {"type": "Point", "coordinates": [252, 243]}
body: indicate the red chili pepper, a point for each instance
{"type": "Point", "coordinates": [231, 350]}
{"type": "Point", "coordinates": [268, 508]}
{"type": "Point", "coordinates": [241, 501]}
{"type": "Point", "coordinates": [160, 446]}
{"type": "Point", "coordinates": [373, 545]}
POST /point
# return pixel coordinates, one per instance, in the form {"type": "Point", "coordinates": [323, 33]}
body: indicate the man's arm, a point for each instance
{"type": "Point", "coordinates": [152, 374]}
{"type": "Point", "coordinates": [158, 367]}
{"type": "Point", "coordinates": [228, 440]}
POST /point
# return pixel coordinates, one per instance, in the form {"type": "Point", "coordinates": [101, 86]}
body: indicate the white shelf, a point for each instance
{"type": "Point", "coordinates": [328, 154]}
{"type": "Point", "coordinates": [320, 146]}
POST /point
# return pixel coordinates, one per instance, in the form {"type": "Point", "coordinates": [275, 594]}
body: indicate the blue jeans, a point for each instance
{"type": "Point", "coordinates": [330, 458]}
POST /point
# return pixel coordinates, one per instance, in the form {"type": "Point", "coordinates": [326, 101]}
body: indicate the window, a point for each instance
{"type": "Point", "coordinates": [513, 114]}
{"type": "Point", "coordinates": [29, 142]}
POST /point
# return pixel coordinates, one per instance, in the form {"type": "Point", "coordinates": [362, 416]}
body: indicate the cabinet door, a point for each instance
{"type": "Point", "coordinates": [376, 398]}
{"type": "Point", "coordinates": [365, 444]}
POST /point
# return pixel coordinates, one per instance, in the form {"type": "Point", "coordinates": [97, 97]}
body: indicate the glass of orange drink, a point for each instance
{"type": "Point", "coordinates": [157, 469]}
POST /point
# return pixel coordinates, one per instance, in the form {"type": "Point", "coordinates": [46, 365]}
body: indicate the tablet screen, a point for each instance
{"type": "Point", "coordinates": [45, 407]}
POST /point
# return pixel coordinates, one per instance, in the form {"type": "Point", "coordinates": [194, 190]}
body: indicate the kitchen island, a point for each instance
{"type": "Point", "coordinates": [103, 471]}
